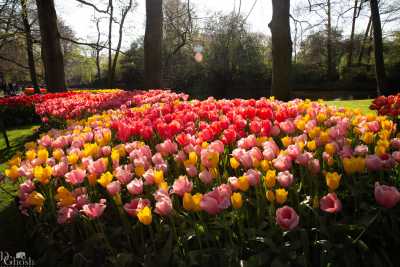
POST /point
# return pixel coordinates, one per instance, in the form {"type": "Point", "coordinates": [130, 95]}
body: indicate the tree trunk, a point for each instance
{"type": "Point", "coordinates": [53, 59]}
{"type": "Point", "coordinates": [331, 70]}
{"type": "Point", "coordinates": [364, 42]}
{"type": "Point", "coordinates": [29, 45]}
{"type": "Point", "coordinates": [351, 44]}
{"type": "Point", "coordinates": [378, 47]}
{"type": "Point", "coordinates": [281, 49]}
{"type": "Point", "coordinates": [98, 50]}
{"type": "Point", "coordinates": [152, 44]}
{"type": "Point", "coordinates": [121, 27]}
{"type": "Point", "coordinates": [111, 8]}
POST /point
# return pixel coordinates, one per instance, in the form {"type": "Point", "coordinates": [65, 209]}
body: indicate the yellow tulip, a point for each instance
{"type": "Point", "coordinates": [72, 158]}
{"type": "Point", "coordinates": [42, 174]}
{"type": "Point", "coordinates": [243, 183]}
{"type": "Point", "coordinates": [139, 170]}
{"type": "Point", "coordinates": [105, 179]}
{"type": "Point", "coordinates": [196, 201]}
{"type": "Point", "coordinates": [35, 199]}
{"type": "Point", "coordinates": [43, 155]}
{"type": "Point", "coordinates": [193, 158]}
{"type": "Point", "coordinates": [30, 154]}
{"type": "Point", "coordinates": [16, 160]}
{"type": "Point", "coordinates": [144, 215]}
{"type": "Point", "coordinates": [12, 173]}
{"type": "Point", "coordinates": [286, 141]}
{"type": "Point", "coordinates": [164, 186]}
{"type": "Point", "coordinates": [332, 180]}
{"type": "Point", "coordinates": [57, 154]}
{"type": "Point", "coordinates": [330, 149]}
{"type": "Point", "coordinates": [311, 145]}
{"type": "Point", "coordinates": [270, 178]}
{"type": "Point", "coordinates": [237, 201]}
{"type": "Point", "coordinates": [264, 165]}
{"type": "Point", "coordinates": [64, 197]}
{"type": "Point", "coordinates": [281, 195]}
{"type": "Point", "coordinates": [158, 177]}
{"type": "Point", "coordinates": [188, 202]}
{"type": "Point", "coordinates": [368, 138]}
{"type": "Point", "coordinates": [270, 196]}
{"type": "Point", "coordinates": [234, 163]}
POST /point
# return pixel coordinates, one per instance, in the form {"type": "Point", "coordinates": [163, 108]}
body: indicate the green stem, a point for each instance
{"type": "Point", "coordinates": [5, 191]}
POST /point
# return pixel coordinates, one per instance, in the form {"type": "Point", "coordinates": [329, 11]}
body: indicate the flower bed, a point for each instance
{"type": "Point", "coordinates": [217, 182]}
{"type": "Point", "coordinates": [82, 104]}
{"type": "Point", "coordinates": [20, 109]}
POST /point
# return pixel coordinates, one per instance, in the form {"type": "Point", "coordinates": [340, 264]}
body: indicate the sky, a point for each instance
{"type": "Point", "coordinates": [79, 17]}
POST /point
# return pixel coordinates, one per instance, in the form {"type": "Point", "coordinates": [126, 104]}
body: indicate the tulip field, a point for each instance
{"type": "Point", "coordinates": [144, 178]}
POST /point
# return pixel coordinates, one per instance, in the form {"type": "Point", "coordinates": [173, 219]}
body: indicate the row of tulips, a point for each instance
{"type": "Point", "coordinates": [227, 181]}
{"type": "Point", "coordinates": [83, 103]}
{"type": "Point", "coordinates": [30, 100]}
{"type": "Point", "coordinates": [387, 105]}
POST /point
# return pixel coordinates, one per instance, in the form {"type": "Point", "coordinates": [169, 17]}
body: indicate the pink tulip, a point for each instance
{"type": "Point", "coordinates": [282, 163]}
{"type": "Point", "coordinates": [114, 188]}
{"type": "Point", "coordinates": [123, 174]}
{"type": "Point", "coordinates": [396, 156]}
{"type": "Point", "coordinates": [217, 200]}
{"type": "Point", "coordinates": [253, 177]}
{"type": "Point", "coordinates": [66, 214]}
{"type": "Point", "coordinates": [205, 176]}
{"type": "Point", "coordinates": [75, 177]}
{"type": "Point", "coordinates": [304, 158]}
{"type": "Point", "coordinates": [285, 179]}
{"type": "Point", "coordinates": [293, 151]}
{"type": "Point", "coordinates": [330, 203]}
{"type": "Point", "coordinates": [97, 167]}
{"type": "Point", "coordinates": [149, 177]}
{"type": "Point", "coordinates": [287, 218]}
{"type": "Point", "coordinates": [163, 203]}
{"type": "Point", "coordinates": [373, 163]}
{"type": "Point", "coordinates": [209, 205]}
{"type": "Point", "coordinates": [217, 146]}
{"type": "Point", "coordinates": [60, 169]}
{"type": "Point", "coordinates": [191, 170]}
{"type": "Point", "coordinates": [135, 187]}
{"type": "Point", "coordinates": [275, 131]}
{"type": "Point", "coordinates": [314, 166]}
{"type": "Point", "coordinates": [182, 185]}
{"type": "Point", "coordinates": [374, 126]}
{"type": "Point", "coordinates": [233, 181]}
{"type": "Point", "coordinates": [94, 210]}
{"type": "Point", "coordinates": [105, 151]}
{"type": "Point", "coordinates": [386, 196]}
{"type": "Point", "coordinates": [395, 142]}
{"type": "Point", "coordinates": [287, 126]}
{"type": "Point", "coordinates": [361, 150]}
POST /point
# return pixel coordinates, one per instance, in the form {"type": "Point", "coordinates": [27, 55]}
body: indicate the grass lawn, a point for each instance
{"type": "Point", "coordinates": [363, 104]}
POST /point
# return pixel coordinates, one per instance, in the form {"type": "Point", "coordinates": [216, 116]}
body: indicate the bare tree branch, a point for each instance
{"type": "Point", "coordinates": [83, 2]}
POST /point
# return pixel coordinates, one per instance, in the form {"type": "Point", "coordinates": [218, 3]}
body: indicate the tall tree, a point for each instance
{"type": "Point", "coordinates": [281, 49]}
{"type": "Point", "coordinates": [51, 48]}
{"type": "Point", "coordinates": [351, 42]}
{"type": "Point", "coordinates": [378, 47]}
{"type": "Point", "coordinates": [110, 23]}
{"type": "Point", "coordinates": [152, 44]}
{"type": "Point", "coordinates": [331, 62]}
{"type": "Point", "coordinates": [29, 44]}
{"type": "Point", "coordinates": [124, 12]}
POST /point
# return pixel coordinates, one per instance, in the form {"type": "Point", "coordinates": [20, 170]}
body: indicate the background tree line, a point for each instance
{"type": "Point", "coordinates": [316, 48]}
